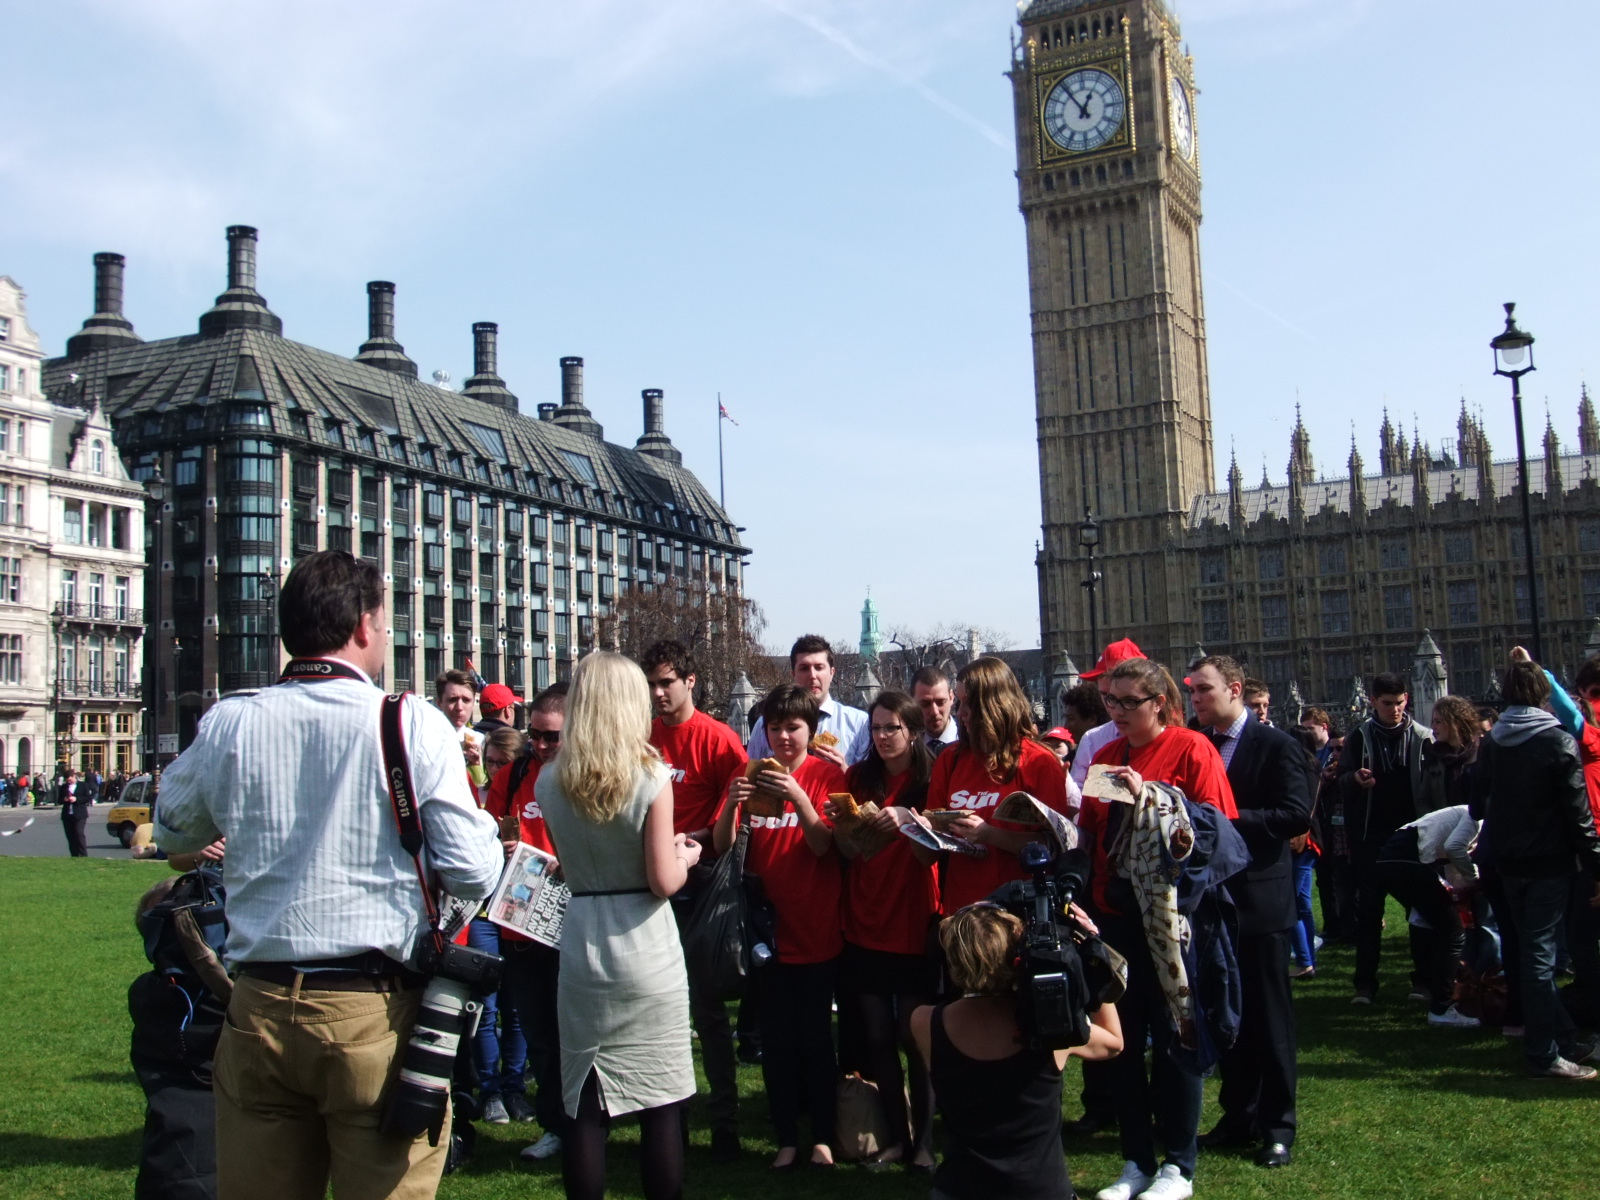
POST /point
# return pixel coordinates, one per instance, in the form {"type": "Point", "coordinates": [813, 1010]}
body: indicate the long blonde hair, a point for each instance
{"type": "Point", "coordinates": [606, 737]}
{"type": "Point", "coordinates": [996, 717]}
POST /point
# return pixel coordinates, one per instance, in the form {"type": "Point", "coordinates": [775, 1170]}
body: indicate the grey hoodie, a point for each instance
{"type": "Point", "coordinates": [1519, 723]}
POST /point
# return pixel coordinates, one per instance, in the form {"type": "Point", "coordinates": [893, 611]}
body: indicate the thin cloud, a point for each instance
{"type": "Point", "coordinates": [875, 62]}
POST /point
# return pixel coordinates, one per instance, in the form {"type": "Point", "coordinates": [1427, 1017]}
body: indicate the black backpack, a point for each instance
{"type": "Point", "coordinates": [178, 1006]}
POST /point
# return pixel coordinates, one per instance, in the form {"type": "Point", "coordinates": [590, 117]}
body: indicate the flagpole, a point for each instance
{"type": "Point", "coordinates": [722, 481]}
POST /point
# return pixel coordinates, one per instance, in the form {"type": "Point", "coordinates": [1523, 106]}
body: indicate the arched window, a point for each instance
{"type": "Point", "coordinates": [97, 457]}
{"type": "Point", "coordinates": [2, 756]}
{"type": "Point", "coordinates": [24, 756]}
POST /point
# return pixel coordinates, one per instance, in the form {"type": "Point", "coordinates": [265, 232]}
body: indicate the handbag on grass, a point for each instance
{"type": "Point", "coordinates": [863, 1130]}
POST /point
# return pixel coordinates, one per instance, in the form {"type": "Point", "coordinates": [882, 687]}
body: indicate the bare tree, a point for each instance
{"type": "Point", "coordinates": [722, 631]}
{"type": "Point", "coordinates": [947, 647]}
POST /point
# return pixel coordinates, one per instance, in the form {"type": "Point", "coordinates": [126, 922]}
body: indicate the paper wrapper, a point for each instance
{"type": "Point", "coordinates": [855, 832]}
{"type": "Point", "coordinates": [764, 804]}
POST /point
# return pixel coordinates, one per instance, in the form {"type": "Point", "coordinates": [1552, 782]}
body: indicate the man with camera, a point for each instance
{"type": "Point", "coordinates": [327, 908]}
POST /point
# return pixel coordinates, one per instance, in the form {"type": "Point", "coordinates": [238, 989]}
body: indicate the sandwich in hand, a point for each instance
{"type": "Point", "coordinates": [764, 803]}
{"type": "Point", "coordinates": [822, 740]}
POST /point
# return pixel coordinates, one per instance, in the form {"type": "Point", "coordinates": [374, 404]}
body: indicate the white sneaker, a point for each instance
{"type": "Point", "coordinates": [1169, 1185]}
{"type": "Point", "coordinates": [1453, 1018]}
{"type": "Point", "coordinates": [1132, 1182]}
{"type": "Point", "coordinates": [546, 1147]}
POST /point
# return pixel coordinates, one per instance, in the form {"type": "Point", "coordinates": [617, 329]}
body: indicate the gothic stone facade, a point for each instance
{"type": "Point", "coordinates": [502, 537]}
{"type": "Point", "coordinates": [1317, 581]}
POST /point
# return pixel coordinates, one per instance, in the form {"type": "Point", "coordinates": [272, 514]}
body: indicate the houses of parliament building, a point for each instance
{"type": "Point", "coordinates": [1319, 581]}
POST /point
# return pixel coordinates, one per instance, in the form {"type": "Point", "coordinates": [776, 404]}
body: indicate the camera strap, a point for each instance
{"type": "Point", "coordinates": [403, 800]}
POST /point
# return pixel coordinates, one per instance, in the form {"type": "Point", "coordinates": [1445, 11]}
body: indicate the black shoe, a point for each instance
{"type": "Point", "coordinates": [1225, 1137]}
{"type": "Point", "coordinates": [749, 1053]}
{"type": "Point", "coordinates": [517, 1107]}
{"type": "Point", "coordinates": [1273, 1154]}
{"type": "Point", "coordinates": [1090, 1124]}
{"type": "Point", "coordinates": [725, 1146]}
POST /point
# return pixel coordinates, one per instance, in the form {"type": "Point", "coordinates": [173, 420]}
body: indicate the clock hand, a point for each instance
{"type": "Point", "coordinates": [1083, 105]}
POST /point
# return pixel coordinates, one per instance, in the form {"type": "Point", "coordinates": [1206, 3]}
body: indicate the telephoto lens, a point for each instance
{"type": "Point", "coordinates": [422, 1091]}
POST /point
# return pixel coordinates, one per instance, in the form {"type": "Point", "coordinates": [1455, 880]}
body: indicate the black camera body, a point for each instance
{"type": "Point", "coordinates": [1054, 998]}
{"type": "Point", "coordinates": [478, 969]}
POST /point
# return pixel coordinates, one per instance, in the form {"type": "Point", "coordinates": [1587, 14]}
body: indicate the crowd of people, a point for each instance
{"type": "Point", "coordinates": [884, 957]}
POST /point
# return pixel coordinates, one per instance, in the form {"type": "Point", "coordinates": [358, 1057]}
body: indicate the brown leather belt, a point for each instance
{"type": "Point", "coordinates": [391, 977]}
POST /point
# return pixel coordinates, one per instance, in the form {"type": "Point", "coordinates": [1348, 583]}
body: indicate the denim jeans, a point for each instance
{"type": "Point", "coordinates": [1536, 909]}
{"type": "Point", "coordinates": [500, 1049]}
{"type": "Point", "coordinates": [1303, 936]}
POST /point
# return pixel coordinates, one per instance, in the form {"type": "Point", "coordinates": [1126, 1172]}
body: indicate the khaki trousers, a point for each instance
{"type": "Point", "coordinates": [301, 1077]}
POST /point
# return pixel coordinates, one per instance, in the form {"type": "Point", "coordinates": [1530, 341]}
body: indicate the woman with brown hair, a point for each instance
{"type": "Point", "coordinates": [1152, 744]}
{"type": "Point", "coordinates": [890, 899]}
{"type": "Point", "coordinates": [996, 755]}
{"type": "Point", "coordinates": [1448, 760]}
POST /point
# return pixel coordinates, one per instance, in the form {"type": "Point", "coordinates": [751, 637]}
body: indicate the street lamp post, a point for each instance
{"type": "Point", "coordinates": [1089, 538]}
{"type": "Point", "coordinates": [1513, 358]}
{"type": "Point", "coordinates": [156, 486]}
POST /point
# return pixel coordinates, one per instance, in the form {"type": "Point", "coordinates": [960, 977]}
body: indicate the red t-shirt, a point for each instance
{"type": "Point", "coordinates": [703, 756]}
{"type": "Point", "coordinates": [890, 898]}
{"type": "Point", "coordinates": [1181, 757]}
{"type": "Point", "coordinates": [1589, 754]}
{"type": "Point", "coordinates": [803, 887]}
{"type": "Point", "coordinates": [961, 780]}
{"type": "Point", "coordinates": [530, 819]}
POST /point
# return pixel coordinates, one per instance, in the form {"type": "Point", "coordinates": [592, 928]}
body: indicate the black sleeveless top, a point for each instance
{"type": "Point", "coordinates": [1002, 1123]}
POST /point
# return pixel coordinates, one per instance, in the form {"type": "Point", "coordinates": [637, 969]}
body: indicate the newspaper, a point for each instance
{"type": "Point", "coordinates": [932, 839]}
{"type": "Point", "coordinates": [1023, 809]}
{"type": "Point", "coordinates": [530, 899]}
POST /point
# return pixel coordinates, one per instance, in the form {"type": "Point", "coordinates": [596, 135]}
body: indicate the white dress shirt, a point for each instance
{"type": "Point", "coordinates": [951, 734]}
{"type": "Point", "coordinates": [293, 777]}
{"type": "Point", "coordinates": [1227, 740]}
{"type": "Point", "coordinates": [1092, 742]}
{"type": "Point", "coordinates": [847, 724]}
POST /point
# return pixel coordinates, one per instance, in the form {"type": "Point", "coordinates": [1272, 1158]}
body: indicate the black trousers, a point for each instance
{"type": "Point", "coordinates": [529, 981]}
{"type": "Point", "coordinates": [1260, 1073]}
{"type": "Point", "coordinates": [1370, 897]}
{"type": "Point", "coordinates": [1418, 886]}
{"type": "Point", "coordinates": [178, 1159]}
{"type": "Point", "coordinates": [1336, 887]}
{"type": "Point", "coordinates": [76, 829]}
{"type": "Point", "coordinates": [797, 1055]}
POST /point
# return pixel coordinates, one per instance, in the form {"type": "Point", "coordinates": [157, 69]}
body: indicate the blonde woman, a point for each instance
{"type": "Point", "coordinates": [624, 996]}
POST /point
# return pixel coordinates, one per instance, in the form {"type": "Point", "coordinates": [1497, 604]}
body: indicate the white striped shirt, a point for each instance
{"type": "Point", "coordinates": [293, 777]}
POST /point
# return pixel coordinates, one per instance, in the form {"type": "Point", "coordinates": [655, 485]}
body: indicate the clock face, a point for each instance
{"type": "Point", "coordinates": [1182, 121]}
{"type": "Point", "coordinates": [1084, 110]}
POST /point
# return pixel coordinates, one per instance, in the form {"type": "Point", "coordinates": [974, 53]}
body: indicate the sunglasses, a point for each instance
{"type": "Point", "coordinates": [545, 736]}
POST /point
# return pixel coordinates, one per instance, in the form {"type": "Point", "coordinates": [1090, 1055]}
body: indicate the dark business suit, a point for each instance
{"type": "Point", "coordinates": [1272, 780]}
{"type": "Point", "coordinates": [75, 815]}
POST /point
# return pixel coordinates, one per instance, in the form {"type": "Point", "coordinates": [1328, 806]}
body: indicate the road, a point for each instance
{"type": "Point", "coordinates": [44, 838]}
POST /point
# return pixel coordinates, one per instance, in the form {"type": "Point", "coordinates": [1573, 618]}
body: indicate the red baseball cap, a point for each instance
{"type": "Point", "coordinates": [497, 695]}
{"type": "Point", "coordinates": [1116, 652]}
{"type": "Point", "coordinates": [1060, 734]}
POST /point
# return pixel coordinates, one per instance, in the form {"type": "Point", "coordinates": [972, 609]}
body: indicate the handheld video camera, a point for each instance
{"type": "Point", "coordinates": [1063, 971]}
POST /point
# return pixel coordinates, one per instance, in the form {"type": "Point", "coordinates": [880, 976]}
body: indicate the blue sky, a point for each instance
{"type": "Point", "coordinates": [809, 206]}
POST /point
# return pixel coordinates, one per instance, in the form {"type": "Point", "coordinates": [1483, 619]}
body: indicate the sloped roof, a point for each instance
{"type": "Point", "coordinates": [1442, 482]}
{"type": "Point", "coordinates": [165, 389]}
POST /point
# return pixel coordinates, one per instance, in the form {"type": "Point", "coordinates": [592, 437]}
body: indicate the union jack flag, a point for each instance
{"type": "Point", "coordinates": [722, 411]}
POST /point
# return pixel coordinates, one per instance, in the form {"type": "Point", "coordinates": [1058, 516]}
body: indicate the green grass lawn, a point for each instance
{"type": "Point", "coordinates": [1388, 1106]}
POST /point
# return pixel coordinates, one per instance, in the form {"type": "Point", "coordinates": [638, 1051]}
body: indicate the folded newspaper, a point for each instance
{"type": "Point", "coordinates": [530, 899]}
{"type": "Point", "coordinates": [1022, 809]}
{"type": "Point", "coordinates": [937, 841]}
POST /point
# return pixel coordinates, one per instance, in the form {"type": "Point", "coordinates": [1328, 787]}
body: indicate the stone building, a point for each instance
{"type": "Point", "coordinates": [1316, 581]}
{"type": "Point", "coordinates": [502, 537]}
{"type": "Point", "coordinates": [71, 574]}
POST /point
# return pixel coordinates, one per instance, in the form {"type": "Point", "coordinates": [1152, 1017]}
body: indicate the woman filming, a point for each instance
{"type": "Point", "coordinates": [890, 900]}
{"type": "Point", "coordinates": [792, 854]}
{"type": "Point", "coordinates": [1001, 1101]}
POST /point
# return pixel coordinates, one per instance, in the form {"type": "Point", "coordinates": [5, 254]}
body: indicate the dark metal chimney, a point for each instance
{"type": "Point", "coordinates": [241, 306]}
{"type": "Point", "coordinates": [654, 440]}
{"type": "Point", "coordinates": [107, 327]}
{"type": "Point", "coordinates": [485, 384]}
{"type": "Point", "coordinates": [547, 412]}
{"type": "Point", "coordinates": [380, 349]}
{"type": "Point", "coordinates": [572, 414]}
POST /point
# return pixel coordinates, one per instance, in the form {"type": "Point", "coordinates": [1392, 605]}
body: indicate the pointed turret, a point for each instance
{"type": "Point", "coordinates": [1421, 501]}
{"type": "Point", "coordinates": [1552, 461]}
{"type": "Point", "coordinates": [1235, 493]}
{"type": "Point", "coordinates": [1302, 470]}
{"type": "Point", "coordinates": [1386, 446]}
{"type": "Point", "coordinates": [1358, 489]}
{"type": "Point", "coordinates": [1485, 468]}
{"type": "Point", "coordinates": [1466, 437]}
{"type": "Point", "coordinates": [1588, 427]}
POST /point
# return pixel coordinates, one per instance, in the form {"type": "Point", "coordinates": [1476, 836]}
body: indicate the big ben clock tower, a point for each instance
{"type": "Point", "coordinates": [1108, 170]}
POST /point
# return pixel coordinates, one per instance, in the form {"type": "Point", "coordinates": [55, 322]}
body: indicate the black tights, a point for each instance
{"type": "Point", "coordinates": [583, 1149]}
{"type": "Point", "coordinates": [886, 1026]}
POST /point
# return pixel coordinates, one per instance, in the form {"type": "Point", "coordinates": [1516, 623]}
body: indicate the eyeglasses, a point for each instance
{"type": "Point", "coordinates": [887, 730]}
{"type": "Point", "coordinates": [495, 761]}
{"type": "Point", "coordinates": [546, 736]}
{"type": "Point", "coordinates": [1129, 704]}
